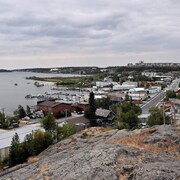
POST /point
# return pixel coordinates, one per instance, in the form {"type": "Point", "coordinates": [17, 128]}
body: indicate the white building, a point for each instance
{"type": "Point", "coordinates": [154, 89]}
{"type": "Point", "coordinates": [149, 74]}
{"type": "Point", "coordinates": [138, 95]}
{"type": "Point", "coordinates": [101, 84]}
{"type": "Point", "coordinates": [124, 88]}
{"type": "Point", "coordinates": [126, 83]}
{"type": "Point", "coordinates": [137, 90]}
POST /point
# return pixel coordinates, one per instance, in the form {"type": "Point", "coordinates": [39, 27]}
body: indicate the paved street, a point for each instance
{"type": "Point", "coordinates": [159, 97]}
{"type": "Point", "coordinates": [153, 102]}
{"type": "Point", "coordinates": [174, 85]}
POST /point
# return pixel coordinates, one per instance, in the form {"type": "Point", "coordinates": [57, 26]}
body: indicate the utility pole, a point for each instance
{"type": "Point", "coordinates": [174, 113]}
{"type": "Point", "coordinates": [163, 111]}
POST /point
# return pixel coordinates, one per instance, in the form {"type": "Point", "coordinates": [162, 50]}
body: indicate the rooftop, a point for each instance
{"type": "Point", "coordinates": [102, 112]}
{"type": "Point", "coordinates": [49, 103]}
{"type": "Point", "coordinates": [7, 135]}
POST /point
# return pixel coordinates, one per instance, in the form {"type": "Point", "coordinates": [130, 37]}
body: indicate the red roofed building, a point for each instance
{"type": "Point", "coordinates": [178, 91]}
{"type": "Point", "coordinates": [53, 107]}
{"type": "Point", "coordinates": [59, 108]}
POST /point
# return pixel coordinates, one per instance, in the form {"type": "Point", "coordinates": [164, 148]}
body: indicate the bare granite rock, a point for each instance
{"type": "Point", "coordinates": [104, 154]}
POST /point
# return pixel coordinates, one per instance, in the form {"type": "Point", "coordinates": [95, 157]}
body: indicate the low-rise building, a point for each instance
{"type": "Point", "coordinates": [141, 95]}
{"type": "Point", "coordinates": [149, 74]}
{"type": "Point", "coordinates": [53, 107]}
{"type": "Point", "coordinates": [153, 89]}
{"type": "Point", "coordinates": [125, 87]}
{"type": "Point", "coordinates": [105, 115]}
{"type": "Point", "coordinates": [101, 84]}
{"type": "Point", "coordinates": [59, 108]}
{"type": "Point", "coordinates": [126, 83]}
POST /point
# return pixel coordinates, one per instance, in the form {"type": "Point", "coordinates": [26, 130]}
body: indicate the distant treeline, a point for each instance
{"type": "Point", "coordinates": [96, 70]}
{"type": "Point", "coordinates": [4, 70]}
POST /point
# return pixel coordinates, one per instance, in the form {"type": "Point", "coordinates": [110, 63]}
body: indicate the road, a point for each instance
{"type": "Point", "coordinates": [153, 102]}
{"type": "Point", "coordinates": [159, 97]}
{"type": "Point", "coordinates": [174, 85]}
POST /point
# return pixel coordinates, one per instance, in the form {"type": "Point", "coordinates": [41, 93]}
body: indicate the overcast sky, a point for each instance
{"type": "Point", "coordinates": [51, 33]}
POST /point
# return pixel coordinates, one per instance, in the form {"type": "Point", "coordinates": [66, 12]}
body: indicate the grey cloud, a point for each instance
{"type": "Point", "coordinates": [88, 26]}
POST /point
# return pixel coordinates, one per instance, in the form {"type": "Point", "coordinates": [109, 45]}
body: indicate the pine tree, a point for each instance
{"type": "Point", "coordinates": [21, 112]}
{"type": "Point", "coordinates": [13, 151]}
{"type": "Point", "coordinates": [28, 110]}
{"type": "Point", "coordinates": [90, 112]}
{"type": "Point", "coordinates": [49, 123]}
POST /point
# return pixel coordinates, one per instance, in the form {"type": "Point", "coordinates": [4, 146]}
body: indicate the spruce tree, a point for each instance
{"type": "Point", "coordinates": [13, 151]}
{"type": "Point", "coordinates": [90, 112]}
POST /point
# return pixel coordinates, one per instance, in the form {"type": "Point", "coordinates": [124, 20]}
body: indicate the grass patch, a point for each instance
{"type": "Point", "coordinates": [136, 141]}
{"type": "Point", "coordinates": [33, 159]}
{"type": "Point", "coordinates": [83, 81]}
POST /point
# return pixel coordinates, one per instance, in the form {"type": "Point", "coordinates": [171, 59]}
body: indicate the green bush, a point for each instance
{"type": "Point", "coordinates": [65, 131]}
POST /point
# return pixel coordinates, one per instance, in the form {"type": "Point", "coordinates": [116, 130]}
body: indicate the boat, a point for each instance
{"type": "Point", "coordinates": [37, 84]}
{"type": "Point", "coordinates": [28, 96]}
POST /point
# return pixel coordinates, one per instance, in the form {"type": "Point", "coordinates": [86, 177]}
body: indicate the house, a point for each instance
{"type": "Point", "coordinates": [56, 108]}
{"type": "Point", "coordinates": [59, 108]}
{"type": "Point", "coordinates": [105, 115]}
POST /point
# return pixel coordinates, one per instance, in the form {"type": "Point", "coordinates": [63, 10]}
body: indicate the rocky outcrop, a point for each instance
{"type": "Point", "coordinates": [98, 153]}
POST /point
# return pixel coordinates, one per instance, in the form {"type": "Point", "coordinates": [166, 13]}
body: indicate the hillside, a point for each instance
{"type": "Point", "coordinates": [97, 153]}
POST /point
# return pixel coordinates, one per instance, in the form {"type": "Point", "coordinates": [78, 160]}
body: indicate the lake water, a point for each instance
{"type": "Point", "coordinates": [11, 95]}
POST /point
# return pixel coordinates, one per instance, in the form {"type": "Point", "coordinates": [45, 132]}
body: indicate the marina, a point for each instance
{"type": "Point", "coordinates": [16, 90]}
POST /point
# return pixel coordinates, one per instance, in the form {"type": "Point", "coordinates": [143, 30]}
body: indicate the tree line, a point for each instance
{"type": "Point", "coordinates": [13, 121]}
